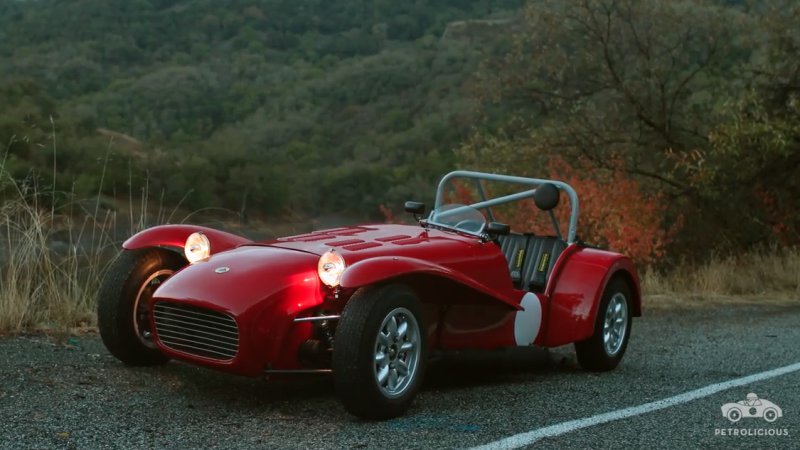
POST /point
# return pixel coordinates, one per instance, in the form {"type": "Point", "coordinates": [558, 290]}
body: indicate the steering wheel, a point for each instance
{"type": "Point", "coordinates": [470, 225]}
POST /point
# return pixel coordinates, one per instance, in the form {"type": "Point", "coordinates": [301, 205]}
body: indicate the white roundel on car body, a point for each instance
{"type": "Point", "coordinates": [528, 320]}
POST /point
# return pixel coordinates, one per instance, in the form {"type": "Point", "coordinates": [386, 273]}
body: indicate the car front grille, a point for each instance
{"type": "Point", "coordinates": [196, 331]}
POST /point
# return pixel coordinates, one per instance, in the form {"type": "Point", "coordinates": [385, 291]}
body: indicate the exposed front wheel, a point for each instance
{"type": "Point", "coordinates": [124, 300]}
{"type": "Point", "coordinates": [379, 352]}
{"type": "Point", "coordinates": [604, 349]}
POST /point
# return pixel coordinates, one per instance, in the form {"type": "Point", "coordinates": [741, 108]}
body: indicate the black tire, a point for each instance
{"type": "Point", "coordinates": [592, 353]}
{"type": "Point", "coordinates": [356, 371]}
{"type": "Point", "coordinates": [135, 273]}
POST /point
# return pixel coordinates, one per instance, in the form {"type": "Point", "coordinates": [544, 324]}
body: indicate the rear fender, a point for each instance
{"type": "Point", "coordinates": [174, 237]}
{"type": "Point", "coordinates": [380, 269]}
{"type": "Point", "coordinates": [577, 288]}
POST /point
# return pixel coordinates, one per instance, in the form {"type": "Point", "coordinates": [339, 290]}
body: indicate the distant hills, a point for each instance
{"type": "Point", "coordinates": [268, 107]}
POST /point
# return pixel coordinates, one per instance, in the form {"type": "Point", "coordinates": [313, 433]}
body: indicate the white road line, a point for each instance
{"type": "Point", "coordinates": [530, 437]}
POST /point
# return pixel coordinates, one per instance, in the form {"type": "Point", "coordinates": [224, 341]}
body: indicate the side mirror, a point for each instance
{"type": "Point", "coordinates": [497, 229]}
{"type": "Point", "coordinates": [416, 208]}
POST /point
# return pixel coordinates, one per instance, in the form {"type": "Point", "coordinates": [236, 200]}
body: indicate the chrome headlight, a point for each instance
{"type": "Point", "coordinates": [330, 268]}
{"type": "Point", "coordinates": [197, 248]}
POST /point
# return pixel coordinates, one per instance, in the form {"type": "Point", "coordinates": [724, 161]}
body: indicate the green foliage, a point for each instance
{"type": "Point", "coordinates": [695, 99]}
{"type": "Point", "coordinates": [257, 106]}
{"type": "Point", "coordinates": [756, 167]}
{"type": "Point", "coordinates": [318, 107]}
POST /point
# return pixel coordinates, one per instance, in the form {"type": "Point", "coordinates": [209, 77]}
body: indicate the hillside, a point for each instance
{"type": "Point", "coordinates": [268, 107]}
{"type": "Point", "coordinates": [676, 120]}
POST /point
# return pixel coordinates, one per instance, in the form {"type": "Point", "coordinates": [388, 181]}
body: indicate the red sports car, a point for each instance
{"type": "Point", "coordinates": [369, 303]}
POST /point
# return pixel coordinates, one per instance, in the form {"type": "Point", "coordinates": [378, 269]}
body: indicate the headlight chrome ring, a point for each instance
{"type": "Point", "coordinates": [197, 248]}
{"type": "Point", "coordinates": [330, 268]}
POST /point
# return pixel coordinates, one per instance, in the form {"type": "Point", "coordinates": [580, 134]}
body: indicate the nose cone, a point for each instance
{"type": "Point", "coordinates": [238, 279]}
{"type": "Point", "coordinates": [235, 311]}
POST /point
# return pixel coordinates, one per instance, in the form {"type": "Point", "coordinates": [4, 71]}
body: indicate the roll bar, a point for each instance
{"type": "Point", "coordinates": [486, 203]}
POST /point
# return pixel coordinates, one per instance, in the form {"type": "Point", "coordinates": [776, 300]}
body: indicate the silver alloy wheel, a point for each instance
{"type": "Point", "coordinates": [397, 350]}
{"type": "Point", "coordinates": [141, 309]}
{"type": "Point", "coordinates": [615, 324]}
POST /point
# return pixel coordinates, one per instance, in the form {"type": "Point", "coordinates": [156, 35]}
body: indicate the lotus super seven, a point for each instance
{"type": "Point", "coordinates": [371, 304]}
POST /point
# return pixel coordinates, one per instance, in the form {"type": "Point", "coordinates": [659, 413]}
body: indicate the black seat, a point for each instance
{"type": "Point", "coordinates": [530, 258]}
{"type": "Point", "coordinates": [543, 252]}
{"type": "Point", "coordinates": [514, 248]}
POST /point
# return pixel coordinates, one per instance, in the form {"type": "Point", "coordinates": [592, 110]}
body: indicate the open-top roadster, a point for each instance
{"type": "Point", "coordinates": [370, 303]}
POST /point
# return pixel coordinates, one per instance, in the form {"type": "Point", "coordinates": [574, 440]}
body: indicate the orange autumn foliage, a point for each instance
{"type": "Point", "coordinates": [615, 211]}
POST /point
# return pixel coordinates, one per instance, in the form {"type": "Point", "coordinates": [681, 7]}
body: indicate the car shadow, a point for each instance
{"type": "Point", "coordinates": [200, 387]}
{"type": "Point", "coordinates": [462, 369]}
{"type": "Point", "coordinates": [198, 382]}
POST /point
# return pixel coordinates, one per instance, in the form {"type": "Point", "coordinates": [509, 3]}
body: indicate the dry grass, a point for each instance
{"type": "Point", "coordinates": [50, 267]}
{"type": "Point", "coordinates": [767, 274]}
{"type": "Point", "coordinates": [53, 258]}
{"type": "Point", "coordinates": [55, 249]}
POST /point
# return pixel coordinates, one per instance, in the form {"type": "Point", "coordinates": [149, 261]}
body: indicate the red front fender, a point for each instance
{"type": "Point", "coordinates": [382, 268]}
{"type": "Point", "coordinates": [174, 236]}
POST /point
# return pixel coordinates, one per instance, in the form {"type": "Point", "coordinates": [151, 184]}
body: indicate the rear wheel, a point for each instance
{"type": "Point", "coordinates": [123, 303]}
{"type": "Point", "coordinates": [379, 354]}
{"type": "Point", "coordinates": [612, 329]}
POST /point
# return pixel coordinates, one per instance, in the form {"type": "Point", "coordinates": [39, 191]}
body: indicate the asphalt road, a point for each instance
{"type": "Point", "coordinates": [70, 393]}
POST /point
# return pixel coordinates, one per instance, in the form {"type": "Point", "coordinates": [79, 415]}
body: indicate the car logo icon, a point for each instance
{"type": "Point", "coordinates": [752, 407]}
{"type": "Point", "coordinates": [222, 269]}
